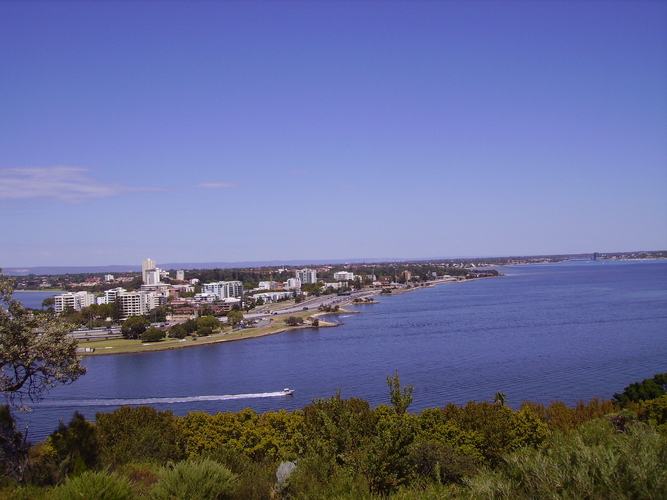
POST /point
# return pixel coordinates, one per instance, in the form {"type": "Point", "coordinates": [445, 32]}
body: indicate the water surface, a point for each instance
{"type": "Point", "coordinates": [565, 332]}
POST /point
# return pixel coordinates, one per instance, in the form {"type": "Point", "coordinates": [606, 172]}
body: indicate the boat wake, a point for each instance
{"type": "Point", "coordinates": [153, 401]}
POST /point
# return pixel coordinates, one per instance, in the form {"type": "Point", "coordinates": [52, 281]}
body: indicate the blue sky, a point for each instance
{"type": "Point", "coordinates": [255, 131]}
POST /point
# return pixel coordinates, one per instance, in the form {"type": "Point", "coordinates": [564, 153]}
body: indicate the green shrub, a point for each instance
{"type": "Point", "coordinates": [142, 476]}
{"type": "Point", "coordinates": [140, 434]}
{"type": "Point", "coordinates": [595, 461]}
{"type": "Point", "coordinates": [75, 445]}
{"type": "Point", "coordinates": [94, 485]}
{"type": "Point", "coordinates": [201, 479]}
{"type": "Point", "coordinates": [152, 335]}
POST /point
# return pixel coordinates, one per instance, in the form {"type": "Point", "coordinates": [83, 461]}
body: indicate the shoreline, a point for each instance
{"type": "Point", "coordinates": [126, 346]}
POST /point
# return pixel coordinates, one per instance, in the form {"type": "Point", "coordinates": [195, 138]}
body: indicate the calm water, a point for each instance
{"type": "Point", "coordinates": [568, 332]}
{"type": "Point", "coordinates": [33, 299]}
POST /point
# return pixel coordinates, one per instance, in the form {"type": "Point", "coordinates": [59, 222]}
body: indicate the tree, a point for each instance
{"type": "Point", "coordinates": [36, 352]}
{"type": "Point", "coordinates": [234, 317]}
{"type": "Point", "coordinates": [152, 335]}
{"type": "Point", "coordinates": [210, 322]}
{"type": "Point", "coordinates": [401, 399]}
{"type": "Point", "coordinates": [204, 331]}
{"type": "Point", "coordinates": [500, 398]}
{"type": "Point", "coordinates": [134, 326]}
{"type": "Point", "coordinates": [294, 321]}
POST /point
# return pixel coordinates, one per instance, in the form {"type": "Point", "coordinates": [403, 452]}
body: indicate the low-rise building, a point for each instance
{"type": "Point", "coordinates": [343, 276]}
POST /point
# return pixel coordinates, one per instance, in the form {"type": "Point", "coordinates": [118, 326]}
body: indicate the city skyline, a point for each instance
{"type": "Point", "coordinates": [299, 132]}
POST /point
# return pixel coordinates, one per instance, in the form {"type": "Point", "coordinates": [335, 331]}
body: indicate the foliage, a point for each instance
{"type": "Point", "coordinates": [200, 479]}
{"type": "Point", "coordinates": [13, 446]}
{"type": "Point", "coordinates": [294, 321]}
{"type": "Point", "coordinates": [594, 461]}
{"type": "Point", "coordinates": [401, 399]}
{"type": "Point", "coordinates": [258, 437]}
{"type": "Point", "coordinates": [234, 317]}
{"type": "Point", "coordinates": [152, 335]}
{"type": "Point", "coordinates": [210, 322]}
{"type": "Point", "coordinates": [36, 352]}
{"type": "Point", "coordinates": [134, 326]}
{"type": "Point", "coordinates": [562, 417]}
{"type": "Point", "coordinates": [75, 446]}
{"type": "Point", "coordinates": [138, 434]}
{"type": "Point", "coordinates": [97, 485]}
{"type": "Point", "coordinates": [649, 388]}
{"type": "Point", "coordinates": [204, 331]}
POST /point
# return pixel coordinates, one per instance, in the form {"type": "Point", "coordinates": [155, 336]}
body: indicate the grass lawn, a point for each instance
{"type": "Point", "coordinates": [122, 346]}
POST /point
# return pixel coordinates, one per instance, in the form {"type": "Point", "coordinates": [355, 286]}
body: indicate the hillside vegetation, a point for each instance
{"type": "Point", "coordinates": [344, 448]}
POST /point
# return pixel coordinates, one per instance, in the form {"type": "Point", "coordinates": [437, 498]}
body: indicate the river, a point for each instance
{"type": "Point", "coordinates": [566, 331]}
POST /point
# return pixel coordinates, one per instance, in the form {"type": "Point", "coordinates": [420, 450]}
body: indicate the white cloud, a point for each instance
{"type": "Point", "coordinates": [217, 185]}
{"type": "Point", "coordinates": [60, 183]}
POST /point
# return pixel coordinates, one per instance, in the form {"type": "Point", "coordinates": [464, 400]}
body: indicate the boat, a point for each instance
{"type": "Point", "coordinates": [287, 391]}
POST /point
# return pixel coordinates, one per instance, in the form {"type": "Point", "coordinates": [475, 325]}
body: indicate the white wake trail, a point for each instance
{"type": "Point", "coordinates": [151, 401]}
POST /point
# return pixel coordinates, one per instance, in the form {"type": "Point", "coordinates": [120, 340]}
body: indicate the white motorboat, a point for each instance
{"type": "Point", "coordinates": [287, 391]}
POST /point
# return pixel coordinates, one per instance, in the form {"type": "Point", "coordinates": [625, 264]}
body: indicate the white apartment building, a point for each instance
{"type": "Point", "coordinates": [180, 275]}
{"type": "Point", "coordinates": [224, 289]}
{"type": "Point", "coordinates": [108, 277]}
{"type": "Point", "coordinates": [343, 276]}
{"type": "Point", "coordinates": [307, 276]}
{"type": "Point", "coordinates": [137, 303]}
{"type": "Point", "coordinates": [273, 296]}
{"type": "Point", "coordinates": [73, 300]}
{"type": "Point", "coordinates": [267, 285]}
{"type": "Point", "coordinates": [110, 295]}
{"type": "Point", "coordinates": [293, 284]}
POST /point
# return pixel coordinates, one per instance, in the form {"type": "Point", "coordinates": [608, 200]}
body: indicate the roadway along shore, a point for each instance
{"type": "Point", "coordinates": [270, 321]}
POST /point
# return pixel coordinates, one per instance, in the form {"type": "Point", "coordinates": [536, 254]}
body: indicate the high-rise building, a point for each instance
{"type": "Point", "coordinates": [307, 276]}
{"type": "Point", "coordinates": [73, 300]}
{"type": "Point", "coordinates": [180, 275]}
{"type": "Point", "coordinates": [147, 266]}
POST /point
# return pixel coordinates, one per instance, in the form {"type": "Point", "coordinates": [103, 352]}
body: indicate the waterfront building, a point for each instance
{"type": "Point", "coordinates": [273, 296]}
{"type": "Point", "coordinates": [224, 289]}
{"type": "Point", "coordinates": [306, 276]}
{"type": "Point", "coordinates": [180, 275]}
{"type": "Point", "coordinates": [343, 276]}
{"type": "Point", "coordinates": [73, 300]}
{"type": "Point", "coordinates": [137, 303]}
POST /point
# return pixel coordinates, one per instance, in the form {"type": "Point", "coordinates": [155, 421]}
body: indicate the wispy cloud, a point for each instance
{"type": "Point", "coordinates": [217, 185]}
{"type": "Point", "coordinates": [59, 182]}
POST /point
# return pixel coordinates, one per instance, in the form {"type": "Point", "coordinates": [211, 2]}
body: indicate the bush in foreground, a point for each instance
{"type": "Point", "coordinates": [94, 485]}
{"type": "Point", "coordinates": [201, 479]}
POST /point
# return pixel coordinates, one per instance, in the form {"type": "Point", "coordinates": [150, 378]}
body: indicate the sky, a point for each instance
{"type": "Point", "coordinates": [211, 131]}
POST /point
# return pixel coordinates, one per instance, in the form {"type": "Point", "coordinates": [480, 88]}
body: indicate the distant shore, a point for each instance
{"type": "Point", "coordinates": [277, 325]}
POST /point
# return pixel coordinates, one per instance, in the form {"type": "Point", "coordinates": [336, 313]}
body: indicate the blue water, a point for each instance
{"type": "Point", "coordinates": [33, 299]}
{"type": "Point", "coordinates": [542, 332]}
